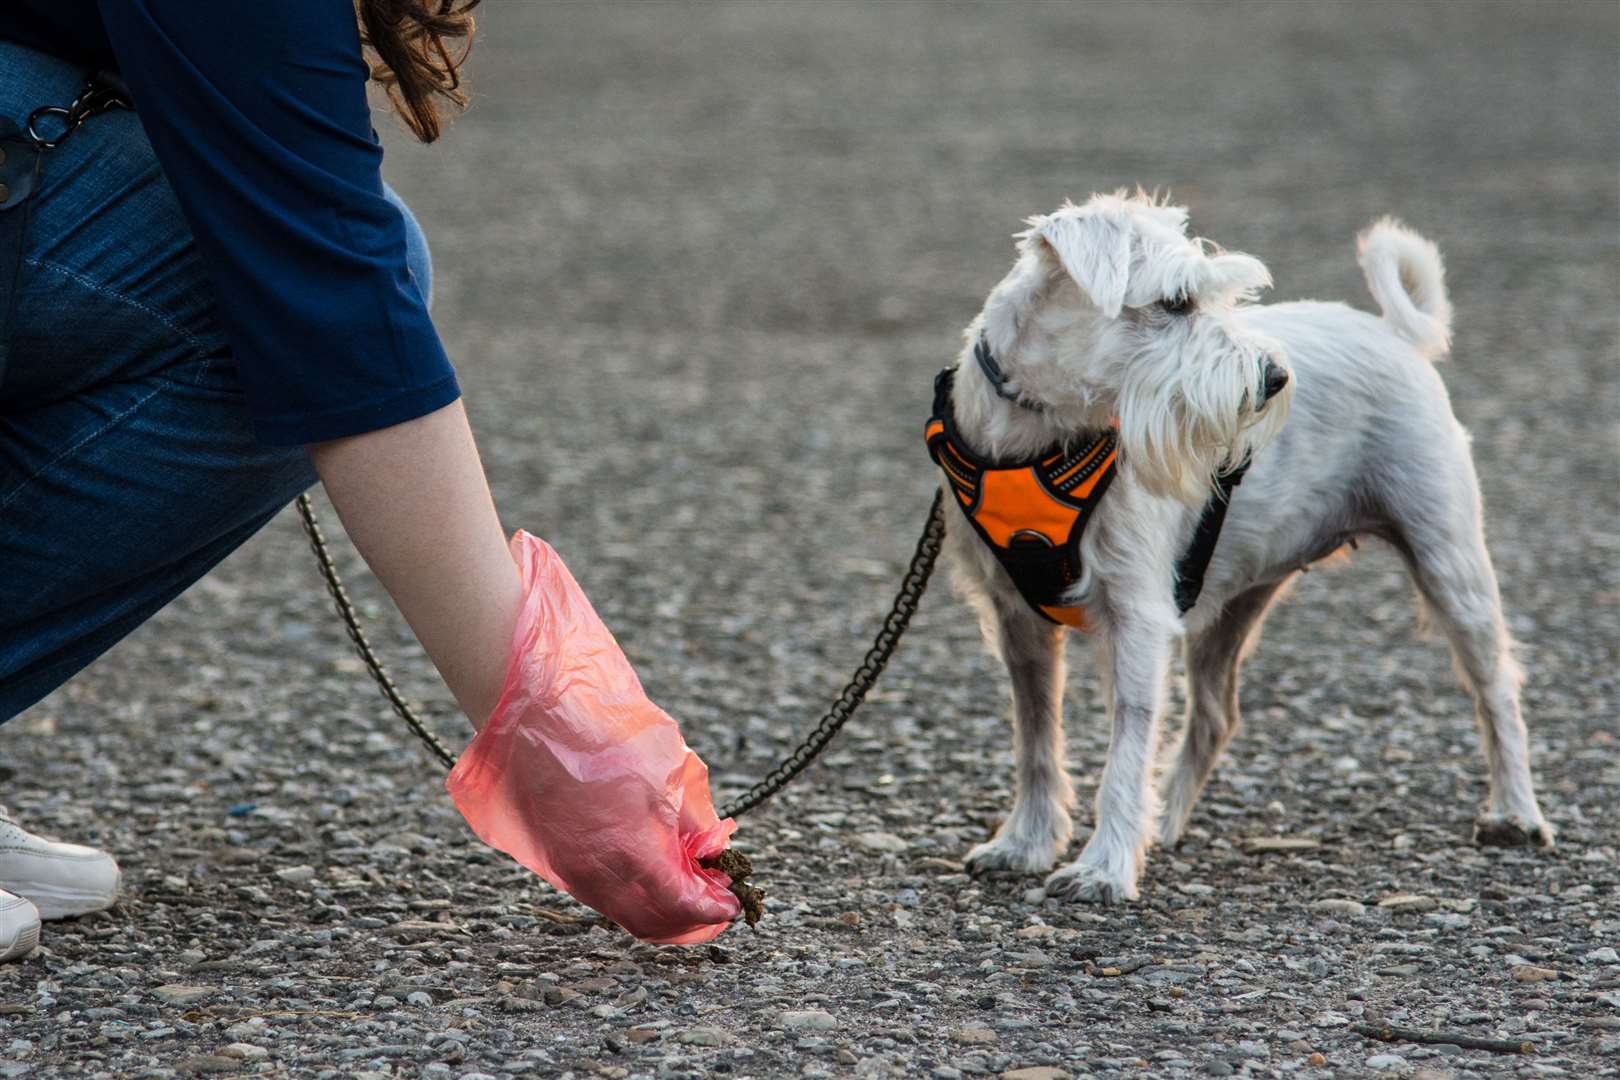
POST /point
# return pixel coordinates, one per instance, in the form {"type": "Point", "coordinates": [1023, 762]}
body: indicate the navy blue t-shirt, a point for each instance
{"type": "Point", "coordinates": [258, 114]}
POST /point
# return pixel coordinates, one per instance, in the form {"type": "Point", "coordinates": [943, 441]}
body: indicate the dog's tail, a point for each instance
{"type": "Point", "coordinates": [1407, 278]}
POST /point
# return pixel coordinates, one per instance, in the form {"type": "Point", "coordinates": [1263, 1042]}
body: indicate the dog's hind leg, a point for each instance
{"type": "Point", "coordinates": [1213, 657]}
{"type": "Point", "coordinates": [1039, 827]}
{"type": "Point", "coordinates": [1441, 538]}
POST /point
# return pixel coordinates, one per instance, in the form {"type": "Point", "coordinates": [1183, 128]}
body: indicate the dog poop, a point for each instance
{"type": "Point", "coordinates": [735, 865]}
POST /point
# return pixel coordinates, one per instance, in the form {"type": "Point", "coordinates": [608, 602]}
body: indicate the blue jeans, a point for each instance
{"type": "Point", "coordinates": [127, 466]}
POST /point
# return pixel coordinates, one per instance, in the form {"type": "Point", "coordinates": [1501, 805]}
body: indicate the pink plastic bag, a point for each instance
{"type": "Point", "coordinates": [586, 782]}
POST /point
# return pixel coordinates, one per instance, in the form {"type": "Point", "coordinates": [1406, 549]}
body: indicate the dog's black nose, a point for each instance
{"type": "Point", "coordinates": [1276, 379]}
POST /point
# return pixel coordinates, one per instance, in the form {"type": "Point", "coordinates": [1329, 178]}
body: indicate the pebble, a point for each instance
{"type": "Point", "coordinates": [245, 1051]}
{"type": "Point", "coordinates": [1530, 973]}
{"type": "Point", "coordinates": [973, 1036]}
{"type": "Point", "coordinates": [1408, 903]}
{"type": "Point", "coordinates": [809, 1020]}
{"type": "Point", "coordinates": [297, 875]}
{"type": "Point", "coordinates": [881, 842]}
{"type": "Point", "coordinates": [1382, 1062]}
{"type": "Point", "coordinates": [1448, 920]}
{"type": "Point", "coordinates": [180, 994]}
{"type": "Point", "coordinates": [1334, 906]}
{"type": "Point", "coordinates": [1280, 844]}
{"type": "Point", "coordinates": [1036, 1072]}
{"type": "Point", "coordinates": [702, 1036]}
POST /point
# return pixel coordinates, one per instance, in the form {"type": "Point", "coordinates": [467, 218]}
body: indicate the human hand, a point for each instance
{"type": "Point", "coordinates": [582, 779]}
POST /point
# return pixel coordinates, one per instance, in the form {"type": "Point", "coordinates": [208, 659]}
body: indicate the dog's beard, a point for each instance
{"type": "Point", "coordinates": [1186, 415]}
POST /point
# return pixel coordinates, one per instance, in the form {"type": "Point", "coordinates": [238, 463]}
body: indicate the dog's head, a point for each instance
{"type": "Point", "coordinates": [1113, 315]}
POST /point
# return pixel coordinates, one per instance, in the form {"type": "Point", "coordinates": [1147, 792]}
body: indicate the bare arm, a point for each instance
{"type": "Point", "coordinates": [414, 499]}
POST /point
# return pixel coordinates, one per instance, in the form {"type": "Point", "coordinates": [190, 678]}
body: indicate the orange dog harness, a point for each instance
{"type": "Point", "coordinates": [1031, 513]}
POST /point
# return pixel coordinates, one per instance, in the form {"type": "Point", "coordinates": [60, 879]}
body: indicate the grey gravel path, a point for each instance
{"type": "Point", "coordinates": [697, 265]}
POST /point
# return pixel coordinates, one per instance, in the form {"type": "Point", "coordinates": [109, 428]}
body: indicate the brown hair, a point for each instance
{"type": "Point", "coordinates": [414, 55]}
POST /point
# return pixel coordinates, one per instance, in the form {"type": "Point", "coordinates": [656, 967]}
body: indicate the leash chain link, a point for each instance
{"type": "Point", "coordinates": [95, 98]}
{"type": "Point", "coordinates": [849, 700]}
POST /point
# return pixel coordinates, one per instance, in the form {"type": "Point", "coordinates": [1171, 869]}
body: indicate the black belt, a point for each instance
{"type": "Point", "coordinates": [22, 156]}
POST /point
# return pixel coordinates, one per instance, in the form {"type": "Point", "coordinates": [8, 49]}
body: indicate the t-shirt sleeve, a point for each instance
{"type": "Point", "coordinates": [258, 115]}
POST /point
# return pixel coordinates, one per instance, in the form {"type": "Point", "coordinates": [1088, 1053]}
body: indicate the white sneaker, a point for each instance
{"type": "Point", "coordinates": [60, 879]}
{"type": "Point", "coordinates": [19, 927]}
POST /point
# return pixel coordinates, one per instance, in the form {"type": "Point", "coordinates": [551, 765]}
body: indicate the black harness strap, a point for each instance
{"type": "Point", "coordinates": [1194, 562]}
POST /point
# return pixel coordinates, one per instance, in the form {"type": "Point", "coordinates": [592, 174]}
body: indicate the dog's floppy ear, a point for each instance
{"type": "Point", "coordinates": [1094, 247]}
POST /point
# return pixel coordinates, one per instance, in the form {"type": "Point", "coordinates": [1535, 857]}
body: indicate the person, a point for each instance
{"type": "Point", "coordinates": [217, 302]}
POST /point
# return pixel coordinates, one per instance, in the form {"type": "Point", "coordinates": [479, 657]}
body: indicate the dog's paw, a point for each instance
{"type": "Point", "coordinates": [1502, 830]}
{"type": "Point", "coordinates": [1176, 807]}
{"type": "Point", "coordinates": [1171, 829]}
{"type": "Point", "coordinates": [1014, 855]}
{"type": "Point", "coordinates": [1090, 884]}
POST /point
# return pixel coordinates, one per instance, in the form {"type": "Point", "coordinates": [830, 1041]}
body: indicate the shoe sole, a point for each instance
{"type": "Point", "coordinates": [55, 902]}
{"type": "Point", "coordinates": [23, 944]}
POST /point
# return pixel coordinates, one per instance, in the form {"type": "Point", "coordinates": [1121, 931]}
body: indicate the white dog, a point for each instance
{"type": "Point", "coordinates": [1112, 317]}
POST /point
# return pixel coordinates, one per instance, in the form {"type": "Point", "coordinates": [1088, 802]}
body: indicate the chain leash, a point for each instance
{"type": "Point", "coordinates": [351, 622]}
{"type": "Point", "coordinates": [848, 702]}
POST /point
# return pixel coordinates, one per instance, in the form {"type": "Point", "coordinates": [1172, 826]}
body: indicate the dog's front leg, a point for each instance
{"type": "Point", "coordinates": [1137, 659]}
{"type": "Point", "coordinates": [1039, 827]}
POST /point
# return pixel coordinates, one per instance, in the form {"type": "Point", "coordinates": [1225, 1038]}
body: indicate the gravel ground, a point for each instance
{"type": "Point", "coordinates": [698, 265]}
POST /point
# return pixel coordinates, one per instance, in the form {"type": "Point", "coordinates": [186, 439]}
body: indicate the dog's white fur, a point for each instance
{"type": "Point", "coordinates": [1361, 442]}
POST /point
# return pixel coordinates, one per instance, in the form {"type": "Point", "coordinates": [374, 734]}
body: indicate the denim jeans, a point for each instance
{"type": "Point", "coordinates": [127, 466]}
